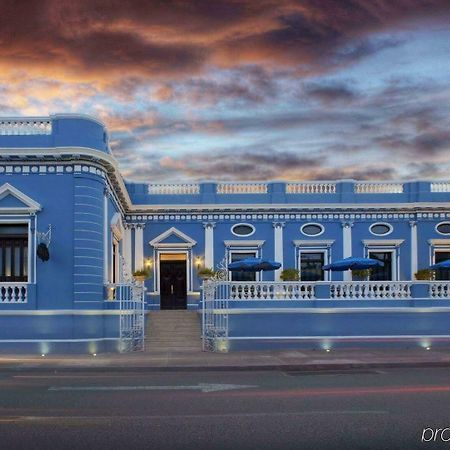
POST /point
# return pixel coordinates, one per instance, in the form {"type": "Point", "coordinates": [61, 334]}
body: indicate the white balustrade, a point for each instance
{"type": "Point", "coordinates": [174, 189]}
{"type": "Point", "coordinates": [367, 290]}
{"type": "Point", "coordinates": [443, 186]}
{"type": "Point", "coordinates": [17, 127]}
{"type": "Point", "coordinates": [241, 188]}
{"type": "Point", "coordinates": [379, 188]}
{"type": "Point", "coordinates": [311, 188]}
{"type": "Point", "coordinates": [266, 290]}
{"type": "Point", "coordinates": [439, 290]}
{"type": "Point", "coordinates": [13, 292]}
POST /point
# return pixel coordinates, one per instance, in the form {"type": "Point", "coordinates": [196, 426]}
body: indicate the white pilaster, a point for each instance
{"type": "Point", "coordinates": [139, 247]}
{"type": "Point", "coordinates": [209, 244]}
{"type": "Point", "coordinates": [278, 247]}
{"type": "Point", "coordinates": [347, 245]}
{"type": "Point", "coordinates": [127, 248]}
{"type": "Point", "coordinates": [105, 237]}
{"type": "Point", "coordinates": [414, 255]}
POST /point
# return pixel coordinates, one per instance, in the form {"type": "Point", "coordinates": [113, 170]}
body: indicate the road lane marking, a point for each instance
{"type": "Point", "coordinates": [204, 387]}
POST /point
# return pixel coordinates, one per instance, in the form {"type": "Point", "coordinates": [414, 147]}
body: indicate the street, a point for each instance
{"type": "Point", "coordinates": [99, 409]}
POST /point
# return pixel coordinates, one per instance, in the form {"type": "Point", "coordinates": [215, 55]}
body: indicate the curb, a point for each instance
{"type": "Point", "coordinates": [304, 368]}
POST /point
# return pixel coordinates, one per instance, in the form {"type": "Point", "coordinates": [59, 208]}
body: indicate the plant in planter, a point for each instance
{"type": "Point", "coordinates": [142, 274]}
{"type": "Point", "coordinates": [290, 275]}
{"type": "Point", "coordinates": [206, 273]}
{"type": "Point", "coordinates": [361, 274]}
{"type": "Point", "coordinates": [424, 275]}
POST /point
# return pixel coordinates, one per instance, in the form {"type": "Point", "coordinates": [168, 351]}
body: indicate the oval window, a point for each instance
{"type": "Point", "coordinates": [380, 229]}
{"type": "Point", "coordinates": [243, 229]}
{"type": "Point", "coordinates": [443, 228]}
{"type": "Point", "coordinates": [312, 229]}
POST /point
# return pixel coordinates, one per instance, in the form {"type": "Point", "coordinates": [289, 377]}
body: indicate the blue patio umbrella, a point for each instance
{"type": "Point", "coordinates": [442, 265]}
{"type": "Point", "coordinates": [253, 265]}
{"type": "Point", "coordinates": [353, 263]}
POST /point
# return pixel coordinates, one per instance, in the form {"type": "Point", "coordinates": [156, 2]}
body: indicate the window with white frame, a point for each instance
{"type": "Point", "coordinates": [311, 263]}
{"type": "Point", "coordinates": [13, 252]}
{"type": "Point", "coordinates": [441, 255]}
{"type": "Point", "coordinates": [387, 271]}
{"type": "Point", "coordinates": [239, 255]}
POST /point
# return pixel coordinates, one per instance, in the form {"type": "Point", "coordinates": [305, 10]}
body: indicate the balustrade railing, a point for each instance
{"type": "Point", "coordinates": [241, 188]}
{"type": "Point", "coordinates": [379, 188]}
{"type": "Point", "coordinates": [311, 188]}
{"type": "Point", "coordinates": [367, 290]}
{"type": "Point", "coordinates": [266, 290]}
{"type": "Point", "coordinates": [439, 290]}
{"type": "Point", "coordinates": [443, 186]}
{"type": "Point", "coordinates": [13, 293]}
{"type": "Point", "coordinates": [174, 189]}
{"type": "Point", "coordinates": [25, 127]}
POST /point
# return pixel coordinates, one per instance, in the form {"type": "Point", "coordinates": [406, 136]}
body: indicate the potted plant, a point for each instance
{"type": "Point", "coordinates": [205, 273]}
{"type": "Point", "coordinates": [141, 275]}
{"type": "Point", "coordinates": [424, 275]}
{"type": "Point", "coordinates": [290, 275]}
{"type": "Point", "coordinates": [361, 274]}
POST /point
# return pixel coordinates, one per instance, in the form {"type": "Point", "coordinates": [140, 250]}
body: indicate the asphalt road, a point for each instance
{"type": "Point", "coordinates": [382, 409]}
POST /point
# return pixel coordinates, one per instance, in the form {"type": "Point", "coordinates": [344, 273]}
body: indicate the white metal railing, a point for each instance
{"type": "Point", "coordinates": [13, 293]}
{"type": "Point", "coordinates": [214, 316]}
{"type": "Point", "coordinates": [241, 188]}
{"type": "Point", "coordinates": [366, 290]}
{"type": "Point", "coordinates": [379, 188]}
{"type": "Point", "coordinates": [174, 189]}
{"type": "Point", "coordinates": [25, 127]}
{"type": "Point", "coordinates": [439, 290]}
{"type": "Point", "coordinates": [442, 186]}
{"type": "Point", "coordinates": [131, 305]}
{"type": "Point", "coordinates": [311, 188]}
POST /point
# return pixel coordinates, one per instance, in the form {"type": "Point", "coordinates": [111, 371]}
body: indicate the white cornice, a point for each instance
{"type": "Point", "coordinates": [30, 205]}
{"type": "Point", "coordinates": [383, 242]}
{"type": "Point", "coordinates": [314, 243]}
{"type": "Point", "coordinates": [246, 243]}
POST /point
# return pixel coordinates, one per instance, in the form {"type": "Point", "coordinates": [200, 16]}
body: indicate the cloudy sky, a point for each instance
{"type": "Point", "coordinates": [241, 90]}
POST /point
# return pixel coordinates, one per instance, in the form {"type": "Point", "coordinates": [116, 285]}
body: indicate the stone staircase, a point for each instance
{"type": "Point", "coordinates": [171, 331]}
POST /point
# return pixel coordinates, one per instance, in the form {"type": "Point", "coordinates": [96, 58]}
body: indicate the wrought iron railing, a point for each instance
{"type": "Point", "coordinates": [132, 320]}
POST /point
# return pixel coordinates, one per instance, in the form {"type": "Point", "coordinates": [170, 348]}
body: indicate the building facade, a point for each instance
{"type": "Point", "coordinates": [61, 190]}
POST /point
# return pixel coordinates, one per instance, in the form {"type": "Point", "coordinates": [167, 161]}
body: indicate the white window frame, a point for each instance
{"type": "Point", "coordinates": [243, 235]}
{"type": "Point", "coordinates": [235, 250]}
{"type": "Point", "coordinates": [157, 252]}
{"type": "Point", "coordinates": [322, 229]}
{"type": "Point", "coordinates": [394, 259]}
{"type": "Point", "coordinates": [391, 228]}
{"type": "Point", "coordinates": [32, 245]}
{"type": "Point", "coordinates": [442, 223]}
{"type": "Point", "coordinates": [324, 251]}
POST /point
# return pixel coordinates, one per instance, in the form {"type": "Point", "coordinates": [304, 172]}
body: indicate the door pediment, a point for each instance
{"type": "Point", "coordinates": [13, 201]}
{"type": "Point", "coordinates": [172, 238]}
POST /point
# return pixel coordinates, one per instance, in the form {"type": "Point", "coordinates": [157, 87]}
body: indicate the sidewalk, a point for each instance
{"type": "Point", "coordinates": [288, 360]}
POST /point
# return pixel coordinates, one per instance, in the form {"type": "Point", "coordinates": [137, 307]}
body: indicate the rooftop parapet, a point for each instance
{"type": "Point", "coordinates": [61, 130]}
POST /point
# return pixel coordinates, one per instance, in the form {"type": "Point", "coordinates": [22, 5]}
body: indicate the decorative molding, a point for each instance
{"type": "Point", "coordinates": [313, 243]}
{"type": "Point", "coordinates": [244, 243]}
{"type": "Point", "coordinates": [157, 241]}
{"type": "Point", "coordinates": [383, 242]}
{"type": "Point", "coordinates": [30, 205]}
{"type": "Point", "coordinates": [435, 242]}
{"type": "Point", "coordinates": [117, 227]}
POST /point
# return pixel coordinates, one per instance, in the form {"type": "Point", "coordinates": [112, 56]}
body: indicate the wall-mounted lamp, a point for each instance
{"type": "Point", "coordinates": [198, 261]}
{"type": "Point", "coordinates": [148, 263]}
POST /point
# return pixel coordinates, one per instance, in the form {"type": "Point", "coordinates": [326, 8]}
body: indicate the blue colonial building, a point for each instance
{"type": "Point", "coordinates": [61, 193]}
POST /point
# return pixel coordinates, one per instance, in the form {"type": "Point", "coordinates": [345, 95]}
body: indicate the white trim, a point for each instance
{"type": "Point", "coordinates": [117, 226]}
{"type": "Point", "coordinates": [383, 242]}
{"type": "Point", "coordinates": [309, 243]}
{"type": "Point", "coordinates": [232, 251]}
{"type": "Point", "coordinates": [436, 242]}
{"type": "Point", "coordinates": [278, 249]}
{"type": "Point", "coordinates": [31, 206]}
{"type": "Point", "coordinates": [395, 263]}
{"type": "Point", "coordinates": [347, 247]}
{"type": "Point", "coordinates": [326, 259]}
{"type": "Point", "coordinates": [414, 250]}
{"type": "Point", "coordinates": [249, 243]}
{"type": "Point", "coordinates": [322, 229]}
{"type": "Point", "coordinates": [189, 242]}
{"type": "Point", "coordinates": [391, 228]}
{"type": "Point", "coordinates": [157, 271]}
{"type": "Point", "coordinates": [446, 222]}
{"type": "Point", "coordinates": [244, 224]}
